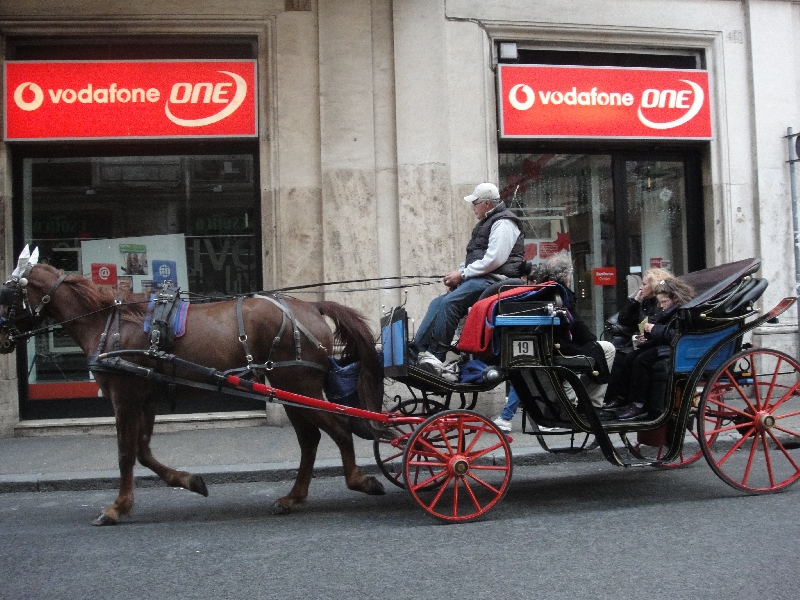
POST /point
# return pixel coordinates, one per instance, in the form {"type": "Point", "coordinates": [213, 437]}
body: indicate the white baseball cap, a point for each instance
{"type": "Point", "coordinates": [483, 191]}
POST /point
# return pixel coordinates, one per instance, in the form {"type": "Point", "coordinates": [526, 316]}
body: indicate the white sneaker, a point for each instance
{"type": "Point", "coordinates": [431, 363]}
{"type": "Point", "coordinates": [502, 424]}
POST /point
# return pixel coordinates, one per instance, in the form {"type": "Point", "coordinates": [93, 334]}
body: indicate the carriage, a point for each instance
{"type": "Point", "coordinates": [721, 398]}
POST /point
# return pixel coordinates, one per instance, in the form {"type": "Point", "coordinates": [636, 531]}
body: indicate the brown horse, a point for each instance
{"type": "Point", "coordinates": [212, 339]}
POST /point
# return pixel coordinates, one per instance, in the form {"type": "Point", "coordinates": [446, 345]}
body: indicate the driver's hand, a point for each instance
{"type": "Point", "coordinates": [453, 280]}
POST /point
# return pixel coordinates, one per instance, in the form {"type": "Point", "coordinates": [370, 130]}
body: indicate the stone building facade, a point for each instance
{"type": "Point", "coordinates": [376, 118]}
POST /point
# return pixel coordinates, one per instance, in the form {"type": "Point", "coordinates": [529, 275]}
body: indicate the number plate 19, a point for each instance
{"type": "Point", "coordinates": [523, 348]}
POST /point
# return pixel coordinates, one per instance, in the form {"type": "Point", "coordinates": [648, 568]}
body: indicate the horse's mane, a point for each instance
{"type": "Point", "coordinates": [97, 297]}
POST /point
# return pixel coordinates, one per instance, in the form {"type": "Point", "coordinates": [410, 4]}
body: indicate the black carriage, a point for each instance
{"type": "Point", "coordinates": [719, 397]}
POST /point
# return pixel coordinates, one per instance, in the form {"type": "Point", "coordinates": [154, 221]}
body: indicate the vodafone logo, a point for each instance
{"type": "Point", "coordinates": [610, 102]}
{"type": "Point", "coordinates": [104, 273]}
{"type": "Point", "coordinates": [130, 99]}
{"type": "Point", "coordinates": [31, 89]}
{"type": "Point", "coordinates": [182, 93]}
{"type": "Point", "coordinates": [513, 97]}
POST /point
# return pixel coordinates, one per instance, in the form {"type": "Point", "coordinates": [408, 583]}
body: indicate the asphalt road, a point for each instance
{"type": "Point", "coordinates": [580, 530]}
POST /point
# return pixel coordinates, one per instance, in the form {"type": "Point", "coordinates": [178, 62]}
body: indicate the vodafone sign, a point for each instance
{"type": "Point", "coordinates": [599, 102]}
{"type": "Point", "coordinates": [142, 99]}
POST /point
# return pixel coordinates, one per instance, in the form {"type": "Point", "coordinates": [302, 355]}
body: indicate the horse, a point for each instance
{"type": "Point", "coordinates": [212, 339]}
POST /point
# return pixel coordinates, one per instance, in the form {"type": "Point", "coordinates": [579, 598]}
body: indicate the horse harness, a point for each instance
{"type": "Point", "coordinates": [165, 309]}
{"type": "Point", "coordinates": [297, 328]}
{"type": "Point", "coordinates": [10, 297]}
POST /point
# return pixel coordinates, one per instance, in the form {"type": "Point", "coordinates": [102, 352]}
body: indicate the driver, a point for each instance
{"type": "Point", "coordinates": [495, 251]}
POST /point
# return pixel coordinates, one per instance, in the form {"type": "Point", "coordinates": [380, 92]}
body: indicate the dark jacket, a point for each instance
{"type": "Point", "coordinates": [665, 328]}
{"type": "Point", "coordinates": [479, 242]}
{"type": "Point", "coordinates": [634, 312]}
{"type": "Point", "coordinates": [576, 339]}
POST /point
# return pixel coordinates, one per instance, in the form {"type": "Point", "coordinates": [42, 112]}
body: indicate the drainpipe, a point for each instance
{"type": "Point", "coordinates": [793, 158]}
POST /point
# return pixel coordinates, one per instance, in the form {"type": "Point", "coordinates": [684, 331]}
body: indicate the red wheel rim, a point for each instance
{"type": "Point", "coordinates": [457, 466]}
{"type": "Point", "coordinates": [389, 453]}
{"type": "Point", "coordinates": [749, 421]}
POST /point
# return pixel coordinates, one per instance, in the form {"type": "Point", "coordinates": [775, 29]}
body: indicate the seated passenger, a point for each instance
{"type": "Point", "coordinates": [574, 339]}
{"type": "Point", "coordinates": [644, 304]}
{"type": "Point", "coordinates": [632, 379]}
{"type": "Point", "coordinates": [495, 251]}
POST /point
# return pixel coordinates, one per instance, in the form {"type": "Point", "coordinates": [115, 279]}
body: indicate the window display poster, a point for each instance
{"type": "Point", "coordinates": [142, 263]}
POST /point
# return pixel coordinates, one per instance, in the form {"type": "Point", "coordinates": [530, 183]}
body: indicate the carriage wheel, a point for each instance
{"type": "Point", "coordinates": [467, 465]}
{"type": "Point", "coordinates": [389, 452]}
{"type": "Point", "coordinates": [749, 421]}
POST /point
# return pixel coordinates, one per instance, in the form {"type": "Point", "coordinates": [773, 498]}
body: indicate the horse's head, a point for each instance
{"type": "Point", "coordinates": [17, 315]}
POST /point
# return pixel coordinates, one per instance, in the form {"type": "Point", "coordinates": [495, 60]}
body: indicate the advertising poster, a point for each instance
{"type": "Point", "coordinates": [138, 264]}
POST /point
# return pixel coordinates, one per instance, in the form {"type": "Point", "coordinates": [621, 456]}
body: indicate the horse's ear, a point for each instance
{"type": "Point", "coordinates": [22, 261]}
{"type": "Point", "coordinates": [34, 256]}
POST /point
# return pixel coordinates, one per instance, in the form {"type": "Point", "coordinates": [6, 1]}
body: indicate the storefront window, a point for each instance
{"type": "Point", "coordinates": [567, 202]}
{"type": "Point", "coordinates": [133, 222]}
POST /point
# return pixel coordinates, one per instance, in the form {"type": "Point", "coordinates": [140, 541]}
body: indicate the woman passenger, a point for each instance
{"type": "Point", "coordinates": [633, 379]}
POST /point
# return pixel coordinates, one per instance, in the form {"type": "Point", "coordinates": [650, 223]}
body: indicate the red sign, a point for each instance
{"type": "Point", "coordinates": [600, 102]}
{"type": "Point", "coordinates": [149, 99]}
{"type": "Point", "coordinates": [104, 274]}
{"type": "Point", "coordinates": [605, 276]}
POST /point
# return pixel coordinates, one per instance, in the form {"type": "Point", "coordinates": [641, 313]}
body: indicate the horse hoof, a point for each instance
{"type": "Point", "coordinates": [198, 485]}
{"type": "Point", "coordinates": [280, 509]}
{"type": "Point", "coordinates": [373, 487]}
{"type": "Point", "coordinates": [103, 520]}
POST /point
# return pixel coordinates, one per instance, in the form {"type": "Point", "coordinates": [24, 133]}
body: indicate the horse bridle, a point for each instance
{"type": "Point", "coordinates": [14, 297]}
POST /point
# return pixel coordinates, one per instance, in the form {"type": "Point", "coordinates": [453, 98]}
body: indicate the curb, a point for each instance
{"type": "Point", "coordinates": [248, 473]}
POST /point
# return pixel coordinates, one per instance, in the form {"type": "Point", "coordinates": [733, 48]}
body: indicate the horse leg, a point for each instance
{"type": "Point", "coordinates": [127, 433]}
{"type": "Point", "coordinates": [353, 476]}
{"type": "Point", "coordinates": [170, 476]}
{"type": "Point", "coordinates": [308, 436]}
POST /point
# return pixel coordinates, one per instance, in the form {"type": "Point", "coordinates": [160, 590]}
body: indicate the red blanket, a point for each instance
{"type": "Point", "coordinates": [476, 337]}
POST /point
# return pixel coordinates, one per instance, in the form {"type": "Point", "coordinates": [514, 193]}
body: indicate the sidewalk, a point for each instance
{"type": "Point", "coordinates": [228, 455]}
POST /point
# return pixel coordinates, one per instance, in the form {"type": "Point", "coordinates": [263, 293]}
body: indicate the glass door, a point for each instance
{"type": "Point", "coordinates": [129, 222]}
{"type": "Point", "coordinates": [616, 216]}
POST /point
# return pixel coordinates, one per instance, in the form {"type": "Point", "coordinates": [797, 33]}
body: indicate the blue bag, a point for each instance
{"type": "Point", "coordinates": [341, 384]}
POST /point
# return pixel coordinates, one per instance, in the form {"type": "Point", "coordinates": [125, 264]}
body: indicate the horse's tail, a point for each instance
{"type": "Point", "coordinates": [353, 332]}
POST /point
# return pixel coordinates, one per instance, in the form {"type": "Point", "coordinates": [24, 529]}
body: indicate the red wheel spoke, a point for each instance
{"type": "Point", "coordinates": [475, 502]}
{"type": "Point", "coordinates": [772, 383]}
{"type": "Point", "coordinates": [754, 376]}
{"type": "Point", "coordinates": [738, 388]}
{"type": "Point", "coordinates": [733, 449]}
{"type": "Point", "coordinates": [454, 514]}
{"type": "Point", "coordinates": [723, 406]}
{"type": "Point", "coordinates": [479, 431]}
{"type": "Point", "coordinates": [488, 467]}
{"type": "Point", "coordinates": [433, 449]}
{"type": "Point", "coordinates": [719, 430]}
{"type": "Point", "coordinates": [484, 451]}
{"type": "Point", "coordinates": [488, 486]}
{"type": "Point", "coordinates": [783, 450]}
{"type": "Point", "coordinates": [791, 432]}
{"type": "Point", "coordinates": [426, 464]}
{"type": "Point", "coordinates": [788, 395]}
{"type": "Point", "coordinates": [438, 496]}
{"type": "Point", "coordinates": [786, 416]}
{"type": "Point", "coordinates": [750, 458]}
{"type": "Point", "coordinates": [767, 458]}
{"type": "Point", "coordinates": [445, 439]}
